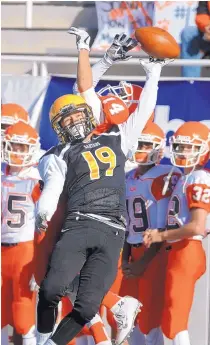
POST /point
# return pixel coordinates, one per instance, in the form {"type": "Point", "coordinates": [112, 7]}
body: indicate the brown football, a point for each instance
{"type": "Point", "coordinates": [157, 42]}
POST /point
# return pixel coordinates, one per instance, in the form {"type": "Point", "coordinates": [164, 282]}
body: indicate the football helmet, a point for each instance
{"type": "Point", "coordinates": [190, 145]}
{"type": "Point", "coordinates": [65, 106]}
{"type": "Point", "coordinates": [114, 109]}
{"type": "Point", "coordinates": [123, 90]}
{"type": "Point", "coordinates": [11, 113]}
{"type": "Point", "coordinates": [27, 144]}
{"type": "Point", "coordinates": [152, 137]}
{"type": "Point", "coordinates": [127, 92]}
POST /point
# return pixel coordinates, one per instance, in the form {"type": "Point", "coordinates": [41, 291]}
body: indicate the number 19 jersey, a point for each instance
{"type": "Point", "coordinates": [19, 194]}
{"type": "Point", "coordinates": [146, 204]}
{"type": "Point", "coordinates": [93, 173]}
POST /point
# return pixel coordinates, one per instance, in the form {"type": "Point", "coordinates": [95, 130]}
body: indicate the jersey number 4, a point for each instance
{"type": "Point", "coordinates": [104, 155]}
{"type": "Point", "coordinates": [116, 108]}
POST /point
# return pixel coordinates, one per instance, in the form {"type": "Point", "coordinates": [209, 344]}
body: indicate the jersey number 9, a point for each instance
{"type": "Point", "coordinates": [139, 213]}
{"type": "Point", "coordinates": [104, 155]}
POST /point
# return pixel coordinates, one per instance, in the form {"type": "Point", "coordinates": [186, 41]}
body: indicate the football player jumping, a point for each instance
{"type": "Point", "coordinates": [20, 191]}
{"type": "Point", "coordinates": [187, 214]}
{"type": "Point", "coordinates": [89, 168]}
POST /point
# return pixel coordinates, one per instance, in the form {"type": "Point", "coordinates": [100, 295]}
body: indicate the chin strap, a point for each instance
{"type": "Point", "coordinates": [167, 181]}
{"type": "Point", "coordinates": [185, 182]}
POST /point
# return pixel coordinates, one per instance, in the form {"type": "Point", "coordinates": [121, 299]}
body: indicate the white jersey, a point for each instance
{"type": "Point", "coordinates": [191, 191]}
{"type": "Point", "coordinates": [146, 204]}
{"type": "Point", "coordinates": [39, 154]}
{"type": "Point", "coordinates": [130, 166]}
{"type": "Point", "coordinates": [19, 195]}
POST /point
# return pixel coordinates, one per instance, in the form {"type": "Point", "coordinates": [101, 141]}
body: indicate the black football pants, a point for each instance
{"type": "Point", "coordinates": [91, 248]}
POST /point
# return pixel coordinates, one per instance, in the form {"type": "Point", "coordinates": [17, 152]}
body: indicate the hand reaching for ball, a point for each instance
{"type": "Point", "coordinates": [154, 65]}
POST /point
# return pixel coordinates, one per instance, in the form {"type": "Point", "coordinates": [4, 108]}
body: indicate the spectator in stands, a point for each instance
{"type": "Point", "coordinates": [196, 40]}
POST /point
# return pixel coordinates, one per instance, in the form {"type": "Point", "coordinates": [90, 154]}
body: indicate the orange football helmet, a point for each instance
{"type": "Point", "coordinates": [151, 144]}
{"type": "Point", "coordinates": [114, 109]}
{"type": "Point", "coordinates": [123, 90]}
{"type": "Point", "coordinates": [11, 113]}
{"type": "Point", "coordinates": [127, 92]}
{"type": "Point", "coordinates": [190, 145]}
{"type": "Point", "coordinates": [21, 143]}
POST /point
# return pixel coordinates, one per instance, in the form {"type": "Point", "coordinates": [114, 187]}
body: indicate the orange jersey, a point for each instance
{"type": "Point", "coordinates": [191, 191]}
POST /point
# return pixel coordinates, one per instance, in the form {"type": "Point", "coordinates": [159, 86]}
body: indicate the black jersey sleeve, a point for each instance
{"type": "Point", "coordinates": [52, 168]}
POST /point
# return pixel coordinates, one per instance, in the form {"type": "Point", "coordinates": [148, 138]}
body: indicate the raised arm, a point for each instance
{"type": "Point", "coordinates": [131, 129]}
{"type": "Point", "coordinates": [118, 51]}
{"type": "Point", "coordinates": [87, 79]}
{"type": "Point", "coordinates": [84, 74]}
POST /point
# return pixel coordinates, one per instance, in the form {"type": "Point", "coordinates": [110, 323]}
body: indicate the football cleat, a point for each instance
{"type": "Point", "coordinates": [125, 316]}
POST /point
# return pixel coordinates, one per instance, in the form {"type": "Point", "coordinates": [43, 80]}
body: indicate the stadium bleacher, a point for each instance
{"type": "Point", "coordinates": [48, 36]}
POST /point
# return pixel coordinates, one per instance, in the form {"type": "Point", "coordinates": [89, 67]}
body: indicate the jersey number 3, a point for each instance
{"type": "Point", "coordinates": [104, 155]}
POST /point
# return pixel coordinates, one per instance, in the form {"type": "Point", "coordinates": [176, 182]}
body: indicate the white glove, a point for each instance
{"type": "Point", "coordinates": [154, 66]}
{"type": "Point", "coordinates": [82, 38]}
{"type": "Point", "coordinates": [41, 223]}
{"type": "Point", "coordinates": [121, 45]}
{"type": "Point", "coordinates": [33, 284]}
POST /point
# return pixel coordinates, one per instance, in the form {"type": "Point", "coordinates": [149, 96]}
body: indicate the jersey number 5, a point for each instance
{"type": "Point", "coordinates": [104, 155]}
{"type": "Point", "coordinates": [17, 212]}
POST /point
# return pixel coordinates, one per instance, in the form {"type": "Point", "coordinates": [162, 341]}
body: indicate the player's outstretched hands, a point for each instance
{"type": "Point", "coordinates": [33, 284]}
{"type": "Point", "coordinates": [119, 48]}
{"type": "Point", "coordinates": [154, 65]}
{"type": "Point", "coordinates": [82, 38]}
{"type": "Point", "coordinates": [41, 223]}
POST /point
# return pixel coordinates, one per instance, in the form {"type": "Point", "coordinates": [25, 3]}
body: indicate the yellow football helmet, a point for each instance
{"type": "Point", "coordinates": [64, 107]}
